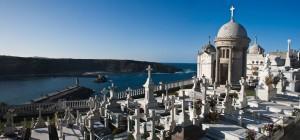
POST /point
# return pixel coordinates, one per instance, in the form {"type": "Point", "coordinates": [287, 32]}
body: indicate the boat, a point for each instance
{"type": "Point", "coordinates": [100, 79]}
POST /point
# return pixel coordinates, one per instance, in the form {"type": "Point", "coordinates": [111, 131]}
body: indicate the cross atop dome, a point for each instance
{"type": "Point", "coordinates": [232, 11]}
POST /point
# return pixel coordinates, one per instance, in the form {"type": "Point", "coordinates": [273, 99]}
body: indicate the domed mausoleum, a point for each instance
{"type": "Point", "coordinates": [231, 43]}
{"type": "Point", "coordinates": [226, 61]}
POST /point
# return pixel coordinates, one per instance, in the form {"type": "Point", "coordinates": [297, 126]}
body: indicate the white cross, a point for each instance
{"type": "Point", "coordinates": [136, 117]}
{"type": "Point", "coordinates": [149, 69]}
{"type": "Point", "coordinates": [232, 11]}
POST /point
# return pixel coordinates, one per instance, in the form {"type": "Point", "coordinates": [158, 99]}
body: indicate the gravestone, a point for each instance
{"type": "Point", "coordinates": [136, 117]}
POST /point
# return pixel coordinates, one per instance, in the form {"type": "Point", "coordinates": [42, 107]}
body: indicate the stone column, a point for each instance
{"type": "Point", "coordinates": [217, 67]}
{"type": "Point", "coordinates": [230, 66]}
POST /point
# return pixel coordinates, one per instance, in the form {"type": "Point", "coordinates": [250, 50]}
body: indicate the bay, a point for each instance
{"type": "Point", "coordinates": [21, 90]}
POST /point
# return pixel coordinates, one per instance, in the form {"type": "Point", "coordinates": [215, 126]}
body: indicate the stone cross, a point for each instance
{"type": "Point", "coordinates": [183, 115]}
{"type": "Point", "coordinates": [137, 117]}
{"type": "Point", "coordinates": [153, 119]}
{"type": "Point", "coordinates": [91, 103]}
{"type": "Point", "coordinates": [106, 119]}
{"type": "Point", "coordinates": [204, 109]}
{"type": "Point", "coordinates": [149, 99]}
{"type": "Point", "coordinates": [232, 11]}
{"type": "Point", "coordinates": [149, 69]}
{"type": "Point", "coordinates": [173, 113]}
{"type": "Point", "coordinates": [112, 92]}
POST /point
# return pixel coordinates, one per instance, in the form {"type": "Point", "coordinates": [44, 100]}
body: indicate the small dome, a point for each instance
{"type": "Point", "coordinates": [208, 48]}
{"type": "Point", "coordinates": [255, 49]}
{"type": "Point", "coordinates": [232, 30]}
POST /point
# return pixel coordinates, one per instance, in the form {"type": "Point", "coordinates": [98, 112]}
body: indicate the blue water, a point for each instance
{"type": "Point", "coordinates": [21, 90]}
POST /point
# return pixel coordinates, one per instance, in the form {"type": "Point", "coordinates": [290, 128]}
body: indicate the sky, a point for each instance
{"type": "Point", "coordinates": [149, 30]}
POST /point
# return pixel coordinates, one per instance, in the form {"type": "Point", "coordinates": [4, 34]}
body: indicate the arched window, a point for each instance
{"type": "Point", "coordinates": [253, 62]}
{"type": "Point", "coordinates": [227, 53]}
{"type": "Point", "coordinates": [223, 55]}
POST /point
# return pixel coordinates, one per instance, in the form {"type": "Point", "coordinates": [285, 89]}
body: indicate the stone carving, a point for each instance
{"type": "Point", "coordinates": [242, 96]}
{"type": "Point", "coordinates": [265, 90]}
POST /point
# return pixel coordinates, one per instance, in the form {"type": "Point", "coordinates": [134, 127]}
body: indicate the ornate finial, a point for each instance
{"type": "Point", "coordinates": [289, 44]}
{"type": "Point", "coordinates": [208, 39]}
{"type": "Point", "coordinates": [232, 11]}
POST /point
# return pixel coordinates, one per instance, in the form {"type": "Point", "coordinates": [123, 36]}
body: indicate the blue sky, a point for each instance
{"type": "Point", "coordinates": [152, 30]}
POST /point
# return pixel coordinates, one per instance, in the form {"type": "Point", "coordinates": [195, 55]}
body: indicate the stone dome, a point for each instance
{"type": "Point", "coordinates": [255, 49]}
{"type": "Point", "coordinates": [208, 48]}
{"type": "Point", "coordinates": [232, 30]}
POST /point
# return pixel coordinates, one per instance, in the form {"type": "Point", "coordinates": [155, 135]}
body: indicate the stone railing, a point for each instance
{"type": "Point", "coordinates": [160, 87]}
{"type": "Point", "coordinates": [30, 109]}
{"type": "Point", "coordinates": [133, 93]}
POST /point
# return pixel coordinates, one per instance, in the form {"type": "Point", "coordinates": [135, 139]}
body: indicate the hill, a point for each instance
{"type": "Point", "coordinates": [12, 66]}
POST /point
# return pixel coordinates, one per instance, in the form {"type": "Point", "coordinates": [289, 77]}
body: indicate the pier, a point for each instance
{"type": "Point", "coordinates": [70, 93]}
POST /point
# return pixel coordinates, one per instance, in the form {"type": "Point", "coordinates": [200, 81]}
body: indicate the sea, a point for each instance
{"type": "Point", "coordinates": [21, 90]}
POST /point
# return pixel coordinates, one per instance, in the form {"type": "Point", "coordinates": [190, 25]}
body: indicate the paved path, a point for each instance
{"type": "Point", "coordinates": [293, 134]}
